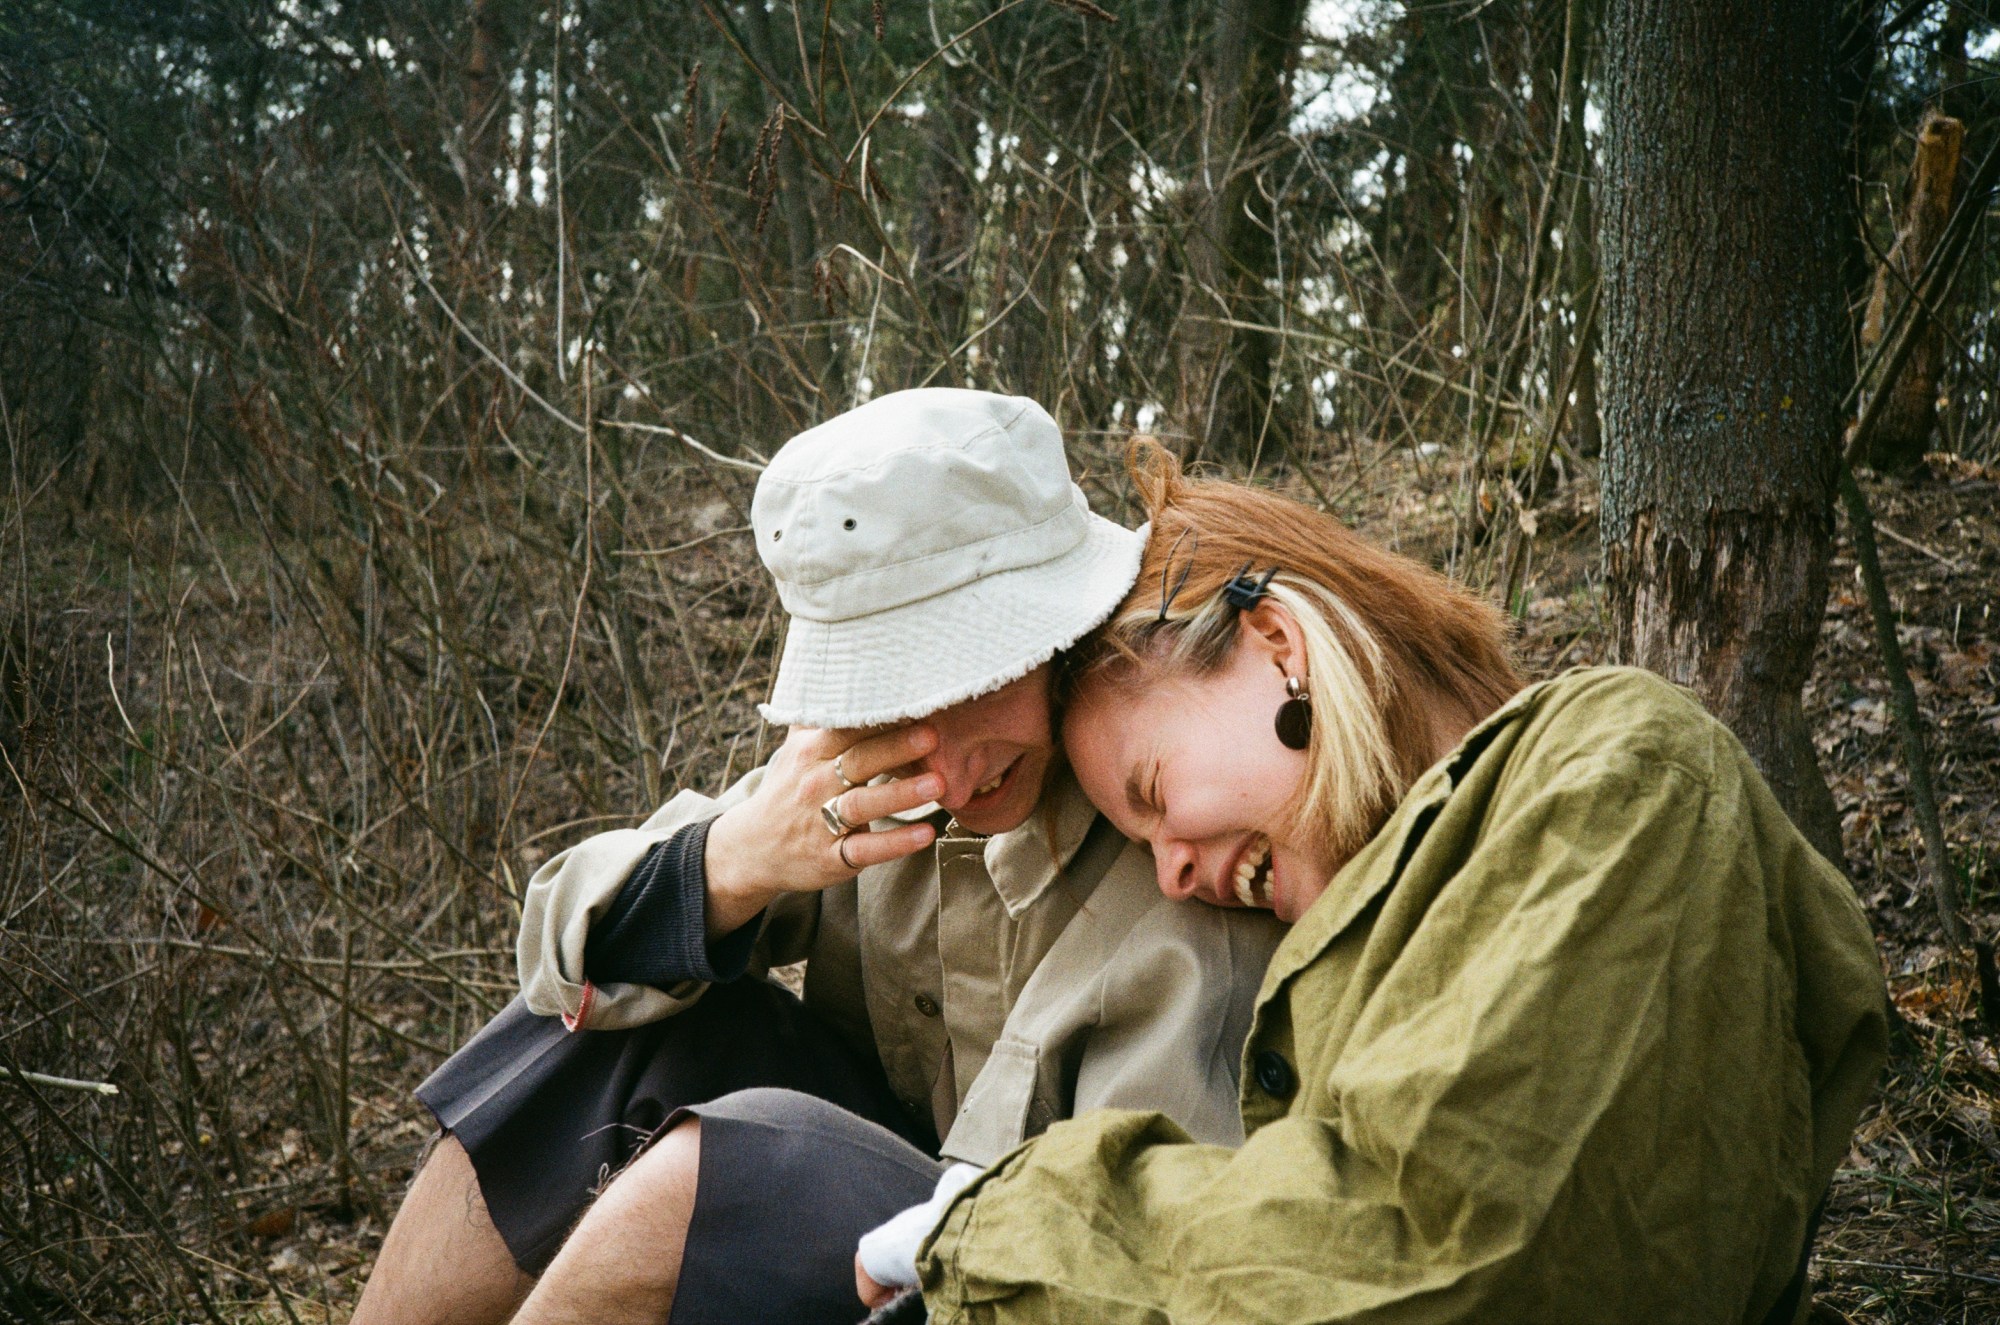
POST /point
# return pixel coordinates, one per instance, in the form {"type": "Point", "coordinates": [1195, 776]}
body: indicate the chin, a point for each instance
{"type": "Point", "coordinates": [996, 820]}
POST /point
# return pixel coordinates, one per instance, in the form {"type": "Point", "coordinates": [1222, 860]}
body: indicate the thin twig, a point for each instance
{"type": "Point", "coordinates": [1936, 1271]}
{"type": "Point", "coordinates": [1951, 564]}
{"type": "Point", "coordinates": [1945, 885]}
{"type": "Point", "coordinates": [59, 1083]}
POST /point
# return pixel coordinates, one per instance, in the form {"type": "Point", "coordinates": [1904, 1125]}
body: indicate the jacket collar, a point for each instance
{"type": "Point", "coordinates": [1365, 877]}
{"type": "Point", "coordinates": [1022, 863]}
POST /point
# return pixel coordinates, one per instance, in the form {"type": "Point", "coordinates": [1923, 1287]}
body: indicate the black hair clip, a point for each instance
{"type": "Point", "coordinates": [1244, 592]}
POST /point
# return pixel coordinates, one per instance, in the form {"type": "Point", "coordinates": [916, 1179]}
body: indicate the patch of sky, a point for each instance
{"type": "Point", "coordinates": [1330, 97]}
{"type": "Point", "coordinates": [1367, 185]}
{"type": "Point", "coordinates": [982, 153]}
{"type": "Point", "coordinates": [1148, 415]}
{"type": "Point", "coordinates": [1150, 185]}
{"type": "Point", "coordinates": [1322, 388]}
{"type": "Point", "coordinates": [1319, 296]}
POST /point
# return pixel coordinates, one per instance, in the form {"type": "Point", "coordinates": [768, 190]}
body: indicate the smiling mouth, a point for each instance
{"type": "Point", "coordinates": [1253, 874]}
{"type": "Point", "coordinates": [979, 793]}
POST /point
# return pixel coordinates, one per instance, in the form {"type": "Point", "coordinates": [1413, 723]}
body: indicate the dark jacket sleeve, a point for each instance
{"type": "Point", "coordinates": [656, 930]}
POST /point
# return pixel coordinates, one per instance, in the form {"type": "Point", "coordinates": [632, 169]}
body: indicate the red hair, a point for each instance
{"type": "Point", "coordinates": [1386, 638]}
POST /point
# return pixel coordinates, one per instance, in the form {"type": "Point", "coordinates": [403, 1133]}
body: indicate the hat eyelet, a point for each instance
{"type": "Point", "coordinates": [777, 534]}
{"type": "Point", "coordinates": [848, 523]}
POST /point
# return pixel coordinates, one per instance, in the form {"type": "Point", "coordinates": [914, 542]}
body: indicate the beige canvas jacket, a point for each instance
{"type": "Point", "coordinates": [1000, 992]}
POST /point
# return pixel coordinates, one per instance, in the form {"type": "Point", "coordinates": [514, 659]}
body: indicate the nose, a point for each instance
{"type": "Point", "coordinates": [946, 763]}
{"type": "Point", "coordinates": [1175, 864]}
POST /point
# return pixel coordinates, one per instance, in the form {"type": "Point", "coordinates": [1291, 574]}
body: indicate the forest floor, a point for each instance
{"type": "Point", "coordinates": [1912, 1229]}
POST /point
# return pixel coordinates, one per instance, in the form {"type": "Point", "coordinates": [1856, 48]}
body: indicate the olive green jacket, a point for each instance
{"type": "Point", "coordinates": [1579, 1036]}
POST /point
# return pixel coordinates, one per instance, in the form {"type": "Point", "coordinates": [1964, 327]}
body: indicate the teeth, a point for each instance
{"type": "Point", "coordinates": [1253, 880]}
{"type": "Point", "coordinates": [992, 786]}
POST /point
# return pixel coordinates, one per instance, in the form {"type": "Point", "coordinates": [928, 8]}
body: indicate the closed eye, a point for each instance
{"type": "Point", "coordinates": [1144, 799]}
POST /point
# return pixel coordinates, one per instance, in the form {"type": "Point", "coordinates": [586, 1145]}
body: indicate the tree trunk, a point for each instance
{"type": "Point", "coordinates": [943, 229]}
{"type": "Point", "coordinates": [1579, 242]}
{"type": "Point", "coordinates": [1903, 429]}
{"type": "Point", "coordinates": [482, 93]}
{"type": "Point", "coordinates": [1225, 370]}
{"type": "Point", "coordinates": [1723, 374]}
{"type": "Point", "coordinates": [794, 200]}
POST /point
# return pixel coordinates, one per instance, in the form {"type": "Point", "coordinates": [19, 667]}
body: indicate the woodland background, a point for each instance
{"type": "Point", "coordinates": [382, 387]}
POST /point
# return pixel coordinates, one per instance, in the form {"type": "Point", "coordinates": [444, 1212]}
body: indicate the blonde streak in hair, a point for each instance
{"type": "Point", "coordinates": [1353, 760]}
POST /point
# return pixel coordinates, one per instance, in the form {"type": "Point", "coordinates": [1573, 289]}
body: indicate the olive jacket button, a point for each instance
{"type": "Point", "coordinates": [926, 1005]}
{"type": "Point", "coordinates": [1274, 1075]}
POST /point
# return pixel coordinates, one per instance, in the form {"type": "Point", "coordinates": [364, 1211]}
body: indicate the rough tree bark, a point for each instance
{"type": "Point", "coordinates": [482, 95]}
{"type": "Point", "coordinates": [1225, 370]}
{"type": "Point", "coordinates": [1902, 432]}
{"type": "Point", "coordinates": [1723, 374]}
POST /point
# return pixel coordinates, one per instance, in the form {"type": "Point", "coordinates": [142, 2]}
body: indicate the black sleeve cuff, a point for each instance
{"type": "Point", "coordinates": [656, 931]}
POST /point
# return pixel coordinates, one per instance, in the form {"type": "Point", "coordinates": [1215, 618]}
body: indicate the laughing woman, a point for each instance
{"type": "Point", "coordinates": [1571, 1024]}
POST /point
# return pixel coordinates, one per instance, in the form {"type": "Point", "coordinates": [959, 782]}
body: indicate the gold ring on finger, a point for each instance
{"type": "Point", "coordinates": [846, 783]}
{"type": "Point", "coordinates": [840, 845]}
{"type": "Point", "coordinates": [835, 822]}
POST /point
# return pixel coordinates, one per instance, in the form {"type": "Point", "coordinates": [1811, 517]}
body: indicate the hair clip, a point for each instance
{"type": "Point", "coordinates": [1166, 598]}
{"type": "Point", "coordinates": [1242, 592]}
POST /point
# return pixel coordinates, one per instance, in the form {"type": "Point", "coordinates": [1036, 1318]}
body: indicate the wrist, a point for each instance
{"type": "Point", "coordinates": [735, 896]}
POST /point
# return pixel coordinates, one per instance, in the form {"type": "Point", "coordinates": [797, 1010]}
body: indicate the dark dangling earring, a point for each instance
{"type": "Point", "coordinates": [1295, 716]}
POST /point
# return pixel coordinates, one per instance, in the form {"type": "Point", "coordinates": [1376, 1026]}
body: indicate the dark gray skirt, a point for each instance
{"type": "Point", "coordinates": [547, 1116]}
{"type": "Point", "coordinates": [788, 1185]}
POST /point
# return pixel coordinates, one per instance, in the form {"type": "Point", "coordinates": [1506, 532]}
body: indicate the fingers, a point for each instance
{"type": "Point", "coordinates": [871, 1293]}
{"type": "Point", "coordinates": [864, 805]}
{"type": "Point", "coordinates": [860, 850]}
{"type": "Point", "coordinates": [867, 757]}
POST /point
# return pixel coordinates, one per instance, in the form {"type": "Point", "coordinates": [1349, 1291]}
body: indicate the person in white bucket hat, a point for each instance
{"type": "Point", "coordinates": [984, 953]}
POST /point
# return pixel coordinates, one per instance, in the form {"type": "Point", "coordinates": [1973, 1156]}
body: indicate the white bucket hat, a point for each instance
{"type": "Point", "coordinates": [930, 547]}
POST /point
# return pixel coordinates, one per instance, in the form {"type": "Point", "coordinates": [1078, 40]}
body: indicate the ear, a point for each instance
{"type": "Point", "coordinates": [1272, 630]}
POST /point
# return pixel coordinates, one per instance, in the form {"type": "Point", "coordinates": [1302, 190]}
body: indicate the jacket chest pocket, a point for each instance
{"type": "Point", "coordinates": [1002, 1108]}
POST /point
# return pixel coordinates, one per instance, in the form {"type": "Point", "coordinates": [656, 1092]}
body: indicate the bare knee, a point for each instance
{"type": "Point", "coordinates": [622, 1263]}
{"type": "Point", "coordinates": [663, 1177]}
{"type": "Point", "coordinates": [443, 1260]}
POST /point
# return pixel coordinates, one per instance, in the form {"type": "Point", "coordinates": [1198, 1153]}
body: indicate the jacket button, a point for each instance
{"type": "Point", "coordinates": [926, 1005]}
{"type": "Point", "coordinates": [1274, 1075]}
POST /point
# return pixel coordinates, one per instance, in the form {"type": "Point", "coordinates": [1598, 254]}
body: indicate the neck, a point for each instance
{"type": "Point", "coordinates": [1450, 717]}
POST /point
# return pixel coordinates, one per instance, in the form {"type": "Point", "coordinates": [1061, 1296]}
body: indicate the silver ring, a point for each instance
{"type": "Point", "coordinates": [846, 783]}
{"type": "Point", "coordinates": [835, 822]}
{"type": "Point", "coordinates": [840, 845]}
